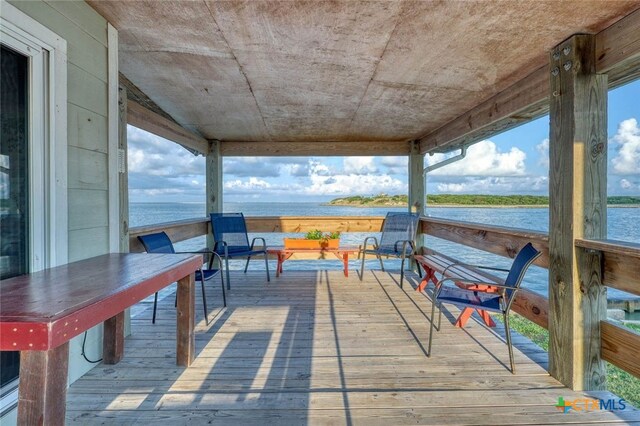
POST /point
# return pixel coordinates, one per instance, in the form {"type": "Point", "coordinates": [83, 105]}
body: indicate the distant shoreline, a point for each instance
{"type": "Point", "coordinates": [471, 206]}
{"type": "Point", "coordinates": [469, 200]}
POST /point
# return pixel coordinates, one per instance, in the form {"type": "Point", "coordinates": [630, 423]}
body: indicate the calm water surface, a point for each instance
{"type": "Point", "coordinates": [623, 225]}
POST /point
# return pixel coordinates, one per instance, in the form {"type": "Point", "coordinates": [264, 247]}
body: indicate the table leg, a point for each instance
{"type": "Point", "coordinates": [429, 275]}
{"type": "Point", "coordinates": [486, 318]}
{"type": "Point", "coordinates": [42, 392]}
{"type": "Point", "coordinates": [185, 344]}
{"type": "Point", "coordinates": [113, 340]}
{"type": "Point", "coordinates": [345, 261]}
{"type": "Point", "coordinates": [279, 266]}
{"type": "Point", "coordinates": [466, 314]}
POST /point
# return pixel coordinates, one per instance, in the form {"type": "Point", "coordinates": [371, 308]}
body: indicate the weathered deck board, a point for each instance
{"type": "Point", "coordinates": [319, 348]}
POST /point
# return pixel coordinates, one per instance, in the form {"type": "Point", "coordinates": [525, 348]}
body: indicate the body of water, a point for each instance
{"type": "Point", "coordinates": [622, 224]}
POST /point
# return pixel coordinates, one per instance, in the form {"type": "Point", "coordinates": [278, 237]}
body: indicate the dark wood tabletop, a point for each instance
{"type": "Point", "coordinates": [42, 310]}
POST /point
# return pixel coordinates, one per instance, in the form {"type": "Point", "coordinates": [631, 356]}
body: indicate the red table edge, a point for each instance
{"type": "Point", "coordinates": [46, 335]}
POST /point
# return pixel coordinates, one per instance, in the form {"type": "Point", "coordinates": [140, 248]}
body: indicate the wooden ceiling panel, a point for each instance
{"type": "Point", "coordinates": [199, 92]}
{"type": "Point", "coordinates": [392, 109]}
{"type": "Point", "coordinates": [164, 26]}
{"type": "Point", "coordinates": [486, 45]}
{"type": "Point", "coordinates": [262, 70]}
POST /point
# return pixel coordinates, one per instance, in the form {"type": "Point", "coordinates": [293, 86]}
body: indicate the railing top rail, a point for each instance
{"type": "Point", "coordinates": [611, 246]}
{"type": "Point", "coordinates": [146, 229]}
{"type": "Point", "coordinates": [519, 232]}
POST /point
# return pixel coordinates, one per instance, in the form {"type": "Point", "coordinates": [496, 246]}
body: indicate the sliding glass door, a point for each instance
{"type": "Point", "coordinates": [14, 185]}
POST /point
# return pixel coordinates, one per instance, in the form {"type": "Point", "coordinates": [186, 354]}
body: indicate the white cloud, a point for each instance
{"type": "Point", "coordinates": [496, 185]}
{"type": "Point", "coordinates": [627, 144]}
{"type": "Point", "coordinates": [252, 184]}
{"type": "Point", "coordinates": [482, 159]}
{"type": "Point", "coordinates": [395, 165]}
{"type": "Point", "coordinates": [344, 184]}
{"type": "Point", "coordinates": [359, 165]}
{"type": "Point", "coordinates": [153, 155]}
{"type": "Point", "coordinates": [543, 150]}
{"type": "Point", "coordinates": [625, 184]}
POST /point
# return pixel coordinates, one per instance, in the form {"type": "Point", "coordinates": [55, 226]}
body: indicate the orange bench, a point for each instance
{"type": "Point", "coordinates": [434, 262]}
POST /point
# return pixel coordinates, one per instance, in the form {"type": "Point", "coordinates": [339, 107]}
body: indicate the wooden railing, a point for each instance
{"type": "Point", "coordinates": [621, 270]}
{"type": "Point", "coordinates": [621, 261]}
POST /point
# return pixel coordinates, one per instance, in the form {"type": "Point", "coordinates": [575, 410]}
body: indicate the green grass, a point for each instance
{"type": "Point", "coordinates": [620, 382]}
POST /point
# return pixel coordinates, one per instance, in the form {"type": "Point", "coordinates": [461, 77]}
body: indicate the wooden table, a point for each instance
{"type": "Point", "coordinates": [341, 253]}
{"type": "Point", "coordinates": [437, 262]}
{"type": "Point", "coordinates": [41, 312]}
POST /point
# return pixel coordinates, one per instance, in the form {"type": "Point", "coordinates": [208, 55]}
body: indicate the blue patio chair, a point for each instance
{"type": "Point", "coordinates": [492, 302]}
{"type": "Point", "coordinates": [160, 243]}
{"type": "Point", "coordinates": [397, 240]}
{"type": "Point", "coordinates": [231, 241]}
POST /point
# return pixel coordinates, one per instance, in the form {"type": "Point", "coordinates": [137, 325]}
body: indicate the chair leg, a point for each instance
{"type": "Point", "coordinates": [226, 264]}
{"type": "Point", "coordinates": [433, 320]}
{"type": "Point", "coordinates": [381, 264]}
{"type": "Point", "coordinates": [266, 265]}
{"type": "Point", "coordinates": [402, 270]}
{"type": "Point", "coordinates": [364, 255]}
{"type": "Point", "coordinates": [247, 264]}
{"type": "Point", "coordinates": [224, 294]}
{"type": "Point", "coordinates": [507, 331]}
{"type": "Point", "coordinates": [204, 298]}
{"type": "Point", "coordinates": [155, 305]}
{"type": "Point", "coordinates": [418, 268]}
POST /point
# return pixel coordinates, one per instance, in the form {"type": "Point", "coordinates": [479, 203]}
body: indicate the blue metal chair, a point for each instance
{"type": "Point", "coordinates": [397, 240]}
{"type": "Point", "coordinates": [161, 243]}
{"type": "Point", "coordinates": [232, 241]}
{"type": "Point", "coordinates": [493, 302]}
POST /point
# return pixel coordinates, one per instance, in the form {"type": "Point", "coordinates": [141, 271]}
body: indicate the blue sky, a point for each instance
{"type": "Point", "coordinates": [514, 162]}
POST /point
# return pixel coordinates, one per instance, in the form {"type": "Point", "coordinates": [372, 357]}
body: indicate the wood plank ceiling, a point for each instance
{"type": "Point", "coordinates": [337, 70]}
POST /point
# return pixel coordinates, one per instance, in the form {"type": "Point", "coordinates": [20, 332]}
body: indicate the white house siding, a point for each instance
{"type": "Point", "coordinates": [87, 110]}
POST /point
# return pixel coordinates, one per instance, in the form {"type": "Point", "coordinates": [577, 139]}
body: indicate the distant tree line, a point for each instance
{"type": "Point", "coordinates": [467, 200]}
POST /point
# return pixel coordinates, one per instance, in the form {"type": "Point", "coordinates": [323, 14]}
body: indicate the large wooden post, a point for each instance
{"type": "Point", "coordinates": [578, 190]}
{"type": "Point", "coordinates": [416, 185]}
{"type": "Point", "coordinates": [123, 185]}
{"type": "Point", "coordinates": [214, 182]}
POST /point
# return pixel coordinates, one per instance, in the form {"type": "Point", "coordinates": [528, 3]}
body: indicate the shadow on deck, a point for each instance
{"type": "Point", "coordinates": [318, 348]}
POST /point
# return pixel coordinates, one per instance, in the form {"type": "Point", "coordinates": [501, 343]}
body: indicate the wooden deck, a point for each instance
{"type": "Point", "coordinates": [318, 348]}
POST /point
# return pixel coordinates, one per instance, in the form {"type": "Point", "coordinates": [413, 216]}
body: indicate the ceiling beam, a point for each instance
{"type": "Point", "coordinates": [618, 50]}
{"type": "Point", "coordinates": [524, 101]}
{"type": "Point", "coordinates": [317, 148]}
{"type": "Point", "coordinates": [617, 54]}
{"type": "Point", "coordinates": [145, 119]}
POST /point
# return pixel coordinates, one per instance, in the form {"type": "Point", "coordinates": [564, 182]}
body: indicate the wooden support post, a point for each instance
{"type": "Point", "coordinates": [578, 209]}
{"type": "Point", "coordinates": [186, 319]}
{"type": "Point", "coordinates": [214, 183]}
{"type": "Point", "coordinates": [42, 392]}
{"type": "Point", "coordinates": [417, 191]}
{"type": "Point", "coordinates": [113, 340]}
{"type": "Point", "coordinates": [123, 185]}
{"type": "Point", "coordinates": [123, 181]}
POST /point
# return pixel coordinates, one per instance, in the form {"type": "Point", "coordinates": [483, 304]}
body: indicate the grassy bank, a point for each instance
{"type": "Point", "coordinates": [384, 200]}
{"type": "Point", "coordinates": [620, 382]}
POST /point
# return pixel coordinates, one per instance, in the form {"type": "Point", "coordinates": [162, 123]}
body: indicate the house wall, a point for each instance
{"type": "Point", "coordinates": [88, 140]}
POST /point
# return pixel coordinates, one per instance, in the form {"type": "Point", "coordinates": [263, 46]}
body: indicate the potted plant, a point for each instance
{"type": "Point", "coordinates": [315, 239]}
